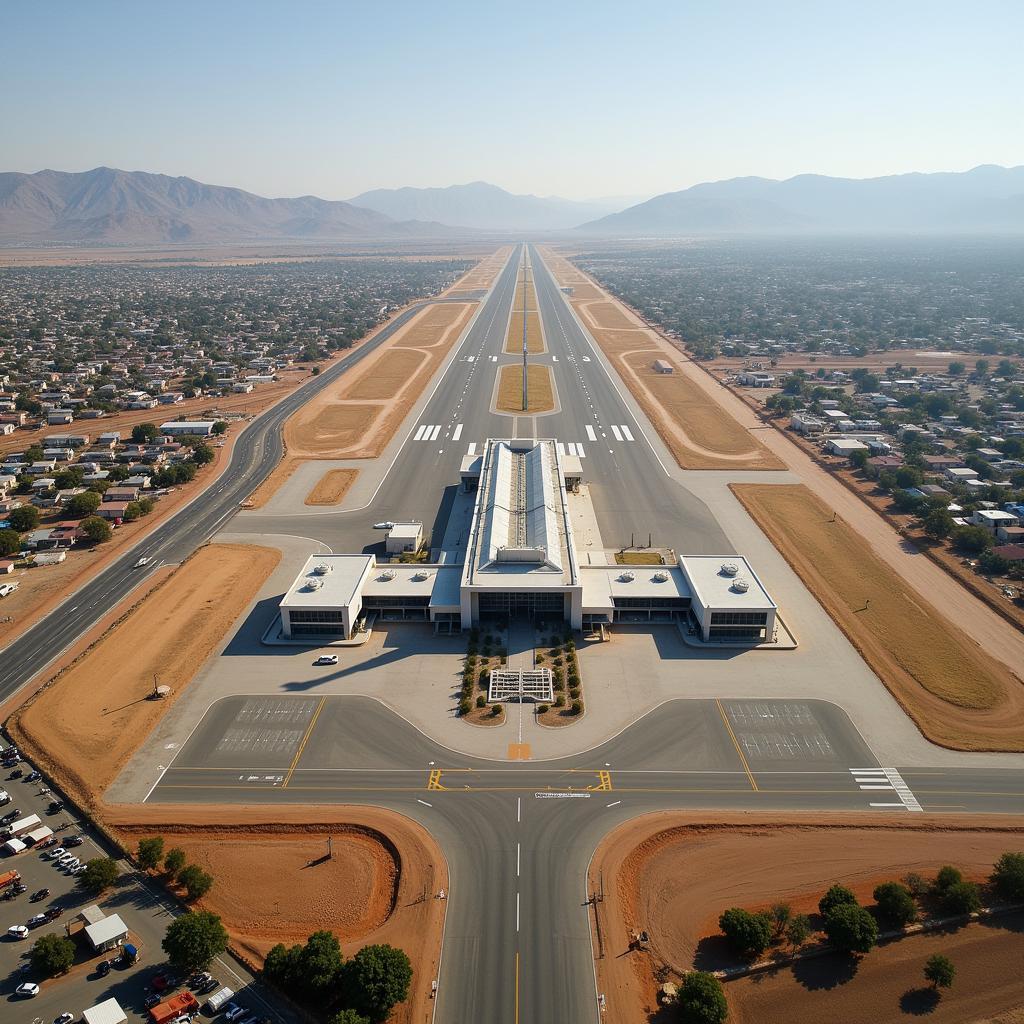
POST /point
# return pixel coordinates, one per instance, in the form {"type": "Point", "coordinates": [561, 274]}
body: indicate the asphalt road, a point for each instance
{"type": "Point", "coordinates": [257, 451]}
{"type": "Point", "coordinates": [519, 835]}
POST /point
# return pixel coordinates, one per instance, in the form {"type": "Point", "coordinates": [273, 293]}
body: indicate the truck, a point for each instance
{"type": "Point", "coordinates": [218, 999]}
{"type": "Point", "coordinates": [171, 1009]}
{"type": "Point", "coordinates": [9, 878]}
{"type": "Point", "coordinates": [21, 825]}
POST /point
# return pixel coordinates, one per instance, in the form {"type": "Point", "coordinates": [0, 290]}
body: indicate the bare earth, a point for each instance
{"type": "Point", "coordinates": [332, 487]}
{"type": "Point", "coordinates": [84, 726]}
{"type": "Point", "coordinates": [958, 694]}
{"type": "Point", "coordinates": [371, 891]}
{"type": "Point", "coordinates": [694, 427]}
{"type": "Point", "coordinates": [540, 389]}
{"type": "Point", "coordinates": [673, 873]}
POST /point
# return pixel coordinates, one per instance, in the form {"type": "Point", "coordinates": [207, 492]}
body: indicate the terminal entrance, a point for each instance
{"type": "Point", "coordinates": [544, 605]}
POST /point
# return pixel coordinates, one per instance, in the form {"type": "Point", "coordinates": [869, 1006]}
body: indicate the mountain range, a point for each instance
{"type": "Point", "coordinates": [986, 199]}
{"type": "Point", "coordinates": [108, 206]}
{"type": "Point", "coordinates": [482, 206]}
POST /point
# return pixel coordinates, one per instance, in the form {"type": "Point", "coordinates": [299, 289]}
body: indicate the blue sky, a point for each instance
{"type": "Point", "coordinates": [576, 99]}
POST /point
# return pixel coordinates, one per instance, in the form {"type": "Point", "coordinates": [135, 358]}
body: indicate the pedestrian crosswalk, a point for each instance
{"type": "Point", "coordinates": [886, 780]}
{"type": "Point", "coordinates": [571, 448]}
{"type": "Point", "coordinates": [427, 432]}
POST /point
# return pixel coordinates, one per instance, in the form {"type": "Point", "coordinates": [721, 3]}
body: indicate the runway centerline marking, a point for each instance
{"type": "Point", "coordinates": [735, 743]}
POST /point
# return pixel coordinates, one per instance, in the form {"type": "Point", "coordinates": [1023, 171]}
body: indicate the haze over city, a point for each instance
{"type": "Point", "coordinates": [511, 514]}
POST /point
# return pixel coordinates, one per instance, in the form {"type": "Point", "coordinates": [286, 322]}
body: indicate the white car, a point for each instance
{"type": "Point", "coordinates": [388, 525]}
{"type": "Point", "coordinates": [140, 563]}
{"type": "Point", "coordinates": [72, 865]}
{"type": "Point", "coordinates": [81, 869]}
{"type": "Point", "coordinates": [27, 988]}
{"type": "Point", "coordinates": [66, 860]}
{"type": "Point", "coordinates": [17, 931]}
{"type": "Point", "coordinates": [57, 854]}
{"type": "Point", "coordinates": [326, 659]}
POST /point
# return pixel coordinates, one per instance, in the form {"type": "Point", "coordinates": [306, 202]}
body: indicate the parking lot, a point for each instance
{"type": "Point", "coordinates": [140, 903]}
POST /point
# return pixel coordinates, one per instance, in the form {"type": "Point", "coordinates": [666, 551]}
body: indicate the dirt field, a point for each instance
{"type": "Point", "coordinates": [356, 418]}
{"type": "Point", "coordinates": [372, 890]}
{"type": "Point", "coordinates": [483, 274]}
{"type": "Point", "coordinates": [86, 724]}
{"type": "Point", "coordinates": [673, 873]}
{"type": "Point", "coordinates": [540, 389]}
{"type": "Point", "coordinates": [957, 694]}
{"type": "Point", "coordinates": [332, 487]}
{"type": "Point", "coordinates": [698, 431]}
{"type": "Point", "coordinates": [534, 336]}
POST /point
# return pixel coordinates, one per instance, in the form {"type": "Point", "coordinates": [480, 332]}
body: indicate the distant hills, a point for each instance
{"type": "Point", "coordinates": [482, 206]}
{"type": "Point", "coordinates": [108, 206]}
{"type": "Point", "coordinates": [986, 199]}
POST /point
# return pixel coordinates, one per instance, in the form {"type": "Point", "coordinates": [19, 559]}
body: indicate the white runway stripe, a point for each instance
{"type": "Point", "coordinates": [561, 448]}
{"type": "Point", "coordinates": [457, 432]}
{"type": "Point", "coordinates": [472, 448]}
{"type": "Point", "coordinates": [591, 435]}
{"type": "Point", "coordinates": [627, 433]}
{"type": "Point", "coordinates": [615, 432]}
{"type": "Point", "coordinates": [420, 432]}
{"type": "Point", "coordinates": [433, 433]}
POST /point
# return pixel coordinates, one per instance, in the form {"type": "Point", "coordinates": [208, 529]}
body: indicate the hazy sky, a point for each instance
{"type": "Point", "coordinates": [577, 99]}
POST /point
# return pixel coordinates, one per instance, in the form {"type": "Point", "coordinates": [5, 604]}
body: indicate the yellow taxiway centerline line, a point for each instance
{"type": "Point", "coordinates": [305, 739]}
{"type": "Point", "coordinates": [735, 743]}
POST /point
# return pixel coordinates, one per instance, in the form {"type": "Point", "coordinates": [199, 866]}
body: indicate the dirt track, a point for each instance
{"type": "Point", "coordinates": [673, 873]}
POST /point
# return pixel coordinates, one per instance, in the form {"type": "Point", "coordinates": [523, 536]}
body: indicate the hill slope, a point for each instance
{"type": "Point", "coordinates": [985, 199]}
{"type": "Point", "coordinates": [481, 206]}
{"type": "Point", "coordinates": [107, 206]}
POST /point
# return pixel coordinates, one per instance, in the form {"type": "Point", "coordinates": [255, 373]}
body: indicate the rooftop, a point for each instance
{"type": "Point", "coordinates": [717, 582]}
{"type": "Point", "coordinates": [328, 580]}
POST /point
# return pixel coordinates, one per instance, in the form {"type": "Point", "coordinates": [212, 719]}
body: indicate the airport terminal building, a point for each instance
{"type": "Point", "coordinates": [521, 560]}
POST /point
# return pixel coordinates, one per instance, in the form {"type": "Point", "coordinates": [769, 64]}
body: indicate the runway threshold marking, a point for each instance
{"type": "Point", "coordinates": [736, 744]}
{"type": "Point", "coordinates": [434, 782]}
{"type": "Point", "coordinates": [303, 742]}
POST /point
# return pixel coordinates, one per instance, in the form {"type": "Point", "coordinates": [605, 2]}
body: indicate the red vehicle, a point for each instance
{"type": "Point", "coordinates": [8, 877]}
{"type": "Point", "coordinates": [183, 1002]}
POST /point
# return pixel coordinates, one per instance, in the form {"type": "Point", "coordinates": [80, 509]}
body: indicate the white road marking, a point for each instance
{"type": "Point", "coordinates": [419, 433]}
{"type": "Point", "coordinates": [519, 808]}
{"type": "Point", "coordinates": [517, 911]}
{"type": "Point", "coordinates": [614, 803]}
{"type": "Point", "coordinates": [494, 359]}
{"type": "Point", "coordinates": [457, 432]}
{"type": "Point", "coordinates": [561, 448]}
{"type": "Point", "coordinates": [424, 802]}
{"type": "Point", "coordinates": [580, 452]}
{"type": "Point", "coordinates": [472, 448]}
{"type": "Point", "coordinates": [616, 433]}
{"type": "Point", "coordinates": [903, 790]}
{"type": "Point", "coordinates": [554, 359]}
{"type": "Point", "coordinates": [586, 359]}
{"type": "Point", "coordinates": [517, 860]}
{"type": "Point", "coordinates": [433, 433]}
{"type": "Point", "coordinates": [627, 433]}
{"type": "Point", "coordinates": [591, 434]}
{"type": "Point", "coordinates": [470, 359]}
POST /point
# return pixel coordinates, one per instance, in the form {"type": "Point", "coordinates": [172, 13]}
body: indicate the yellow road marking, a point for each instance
{"type": "Point", "coordinates": [305, 739]}
{"type": "Point", "coordinates": [604, 782]}
{"type": "Point", "coordinates": [735, 743]}
{"type": "Point", "coordinates": [435, 779]}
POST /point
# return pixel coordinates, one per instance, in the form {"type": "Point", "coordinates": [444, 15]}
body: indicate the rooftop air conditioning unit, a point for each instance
{"type": "Point", "coordinates": [729, 569]}
{"type": "Point", "coordinates": [314, 584]}
{"type": "Point", "coordinates": [740, 586]}
{"type": "Point", "coordinates": [660, 577]}
{"type": "Point", "coordinates": [321, 569]}
{"type": "Point", "coordinates": [627, 576]}
{"type": "Point", "coordinates": [387, 575]}
{"type": "Point", "coordinates": [421, 574]}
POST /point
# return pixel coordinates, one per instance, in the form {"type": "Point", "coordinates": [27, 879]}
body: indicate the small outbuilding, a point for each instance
{"type": "Point", "coordinates": [107, 933]}
{"type": "Point", "coordinates": [844, 446]}
{"type": "Point", "coordinates": [404, 537]}
{"type": "Point", "coordinates": [107, 1012]}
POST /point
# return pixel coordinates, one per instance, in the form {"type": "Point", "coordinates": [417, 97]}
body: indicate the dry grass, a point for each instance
{"type": "Point", "coordinates": [87, 723]}
{"type": "Point", "coordinates": [539, 384]}
{"type": "Point", "coordinates": [957, 694]}
{"type": "Point", "coordinates": [534, 338]}
{"type": "Point", "coordinates": [268, 488]}
{"type": "Point", "coordinates": [434, 325]}
{"type": "Point", "coordinates": [386, 377]}
{"type": "Point", "coordinates": [638, 558]}
{"type": "Point", "coordinates": [608, 316]}
{"type": "Point", "coordinates": [332, 487]}
{"type": "Point", "coordinates": [331, 428]}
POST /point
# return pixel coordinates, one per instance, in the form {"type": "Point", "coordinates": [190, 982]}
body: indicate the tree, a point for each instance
{"type": "Point", "coordinates": [196, 881]}
{"type": "Point", "coordinates": [132, 512]}
{"type": "Point", "coordinates": [23, 518]}
{"type": "Point", "coordinates": [836, 895]}
{"type": "Point", "coordinates": [320, 966]}
{"type": "Point", "coordinates": [194, 939]}
{"type": "Point", "coordinates": [220, 427]}
{"type": "Point", "coordinates": [939, 970]}
{"type": "Point", "coordinates": [174, 862]}
{"type": "Point", "coordinates": [96, 529]}
{"type": "Point", "coordinates": [1008, 876]}
{"type": "Point", "coordinates": [895, 904]}
{"type": "Point", "coordinates": [349, 1017]}
{"type": "Point", "coordinates": [749, 934]}
{"type": "Point", "coordinates": [946, 877]}
{"type": "Point", "coordinates": [798, 931]}
{"type": "Point", "coordinates": [859, 459]}
{"type": "Point", "coordinates": [145, 433]}
{"type": "Point", "coordinates": [850, 928]}
{"type": "Point", "coordinates": [281, 966]}
{"type": "Point", "coordinates": [202, 454]}
{"type": "Point", "coordinates": [377, 978]}
{"type": "Point", "coordinates": [937, 524]}
{"type": "Point", "coordinates": [84, 504]}
{"type": "Point", "coordinates": [972, 540]}
{"type": "Point", "coordinates": [52, 955]}
{"type": "Point", "coordinates": [10, 542]}
{"type": "Point", "coordinates": [956, 368]}
{"type": "Point", "coordinates": [782, 914]}
{"type": "Point", "coordinates": [150, 853]}
{"type": "Point", "coordinates": [701, 999]}
{"type": "Point", "coordinates": [100, 873]}
{"type": "Point", "coordinates": [962, 898]}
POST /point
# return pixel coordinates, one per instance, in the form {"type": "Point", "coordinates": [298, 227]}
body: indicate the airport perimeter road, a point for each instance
{"type": "Point", "coordinates": [256, 452]}
{"type": "Point", "coordinates": [633, 494]}
{"type": "Point", "coordinates": [518, 835]}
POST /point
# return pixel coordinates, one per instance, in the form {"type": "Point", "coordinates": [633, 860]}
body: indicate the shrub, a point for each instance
{"type": "Point", "coordinates": [560, 700]}
{"type": "Point", "coordinates": [939, 970]}
{"type": "Point", "coordinates": [781, 914]}
{"type": "Point", "coordinates": [196, 881]}
{"type": "Point", "coordinates": [1008, 876]}
{"type": "Point", "coordinates": [836, 896]}
{"type": "Point", "coordinates": [850, 928]}
{"type": "Point", "coordinates": [946, 877]}
{"type": "Point", "coordinates": [895, 904]}
{"type": "Point", "coordinates": [701, 999]}
{"type": "Point", "coordinates": [749, 934]}
{"type": "Point", "coordinates": [495, 710]}
{"type": "Point", "coordinates": [577, 707]}
{"type": "Point", "coordinates": [481, 701]}
{"type": "Point", "coordinates": [465, 706]}
{"type": "Point", "coordinates": [961, 898]}
{"type": "Point", "coordinates": [574, 692]}
{"type": "Point", "coordinates": [798, 931]}
{"type": "Point", "coordinates": [542, 708]}
{"type": "Point", "coordinates": [917, 885]}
